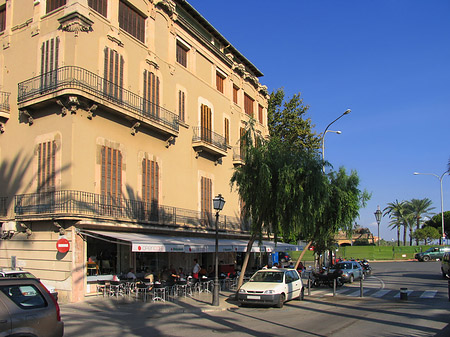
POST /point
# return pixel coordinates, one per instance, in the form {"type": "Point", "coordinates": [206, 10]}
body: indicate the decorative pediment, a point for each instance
{"type": "Point", "coordinates": [168, 6]}
{"type": "Point", "coordinates": [75, 22]}
{"type": "Point", "coordinates": [239, 68]}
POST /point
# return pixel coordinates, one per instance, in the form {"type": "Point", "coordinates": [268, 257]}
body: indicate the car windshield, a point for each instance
{"type": "Point", "coordinates": [344, 266]}
{"type": "Point", "coordinates": [20, 275]}
{"type": "Point", "coordinates": [268, 276]}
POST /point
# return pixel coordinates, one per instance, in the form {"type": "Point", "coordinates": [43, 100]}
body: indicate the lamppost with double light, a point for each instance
{"type": "Point", "coordinates": [346, 112]}
{"type": "Point", "coordinates": [218, 203]}
{"type": "Point", "coordinates": [442, 198]}
{"type": "Point", "coordinates": [378, 218]}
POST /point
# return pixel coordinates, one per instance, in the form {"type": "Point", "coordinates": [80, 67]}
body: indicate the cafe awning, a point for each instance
{"type": "Point", "coordinates": [177, 244]}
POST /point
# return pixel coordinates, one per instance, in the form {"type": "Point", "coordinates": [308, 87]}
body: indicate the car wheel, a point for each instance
{"type": "Point", "coordinates": [281, 301]}
{"type": "Point", "coordinates": [426, 258]}
{"type": "Point", "coordinates": [352, 278]}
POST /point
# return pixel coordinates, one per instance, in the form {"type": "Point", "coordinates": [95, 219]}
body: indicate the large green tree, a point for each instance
{"type": "Point", "coordinates": [426, 234]}
{"type": "Point", "coordinates": [287, 121]}
{"type": "Point", "coordinates": [419, 209]}
{"type": "Point", "coordinates": [436, 222]}
{"type": "Point", "coordinates": [398, 213]}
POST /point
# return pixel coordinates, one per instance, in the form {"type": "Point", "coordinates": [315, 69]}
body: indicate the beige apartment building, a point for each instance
{"type": "Point", "coordinates": [120, 121]}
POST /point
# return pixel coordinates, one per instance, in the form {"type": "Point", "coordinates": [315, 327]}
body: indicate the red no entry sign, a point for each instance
{"type": "Point", "coordinates": [62, 245]}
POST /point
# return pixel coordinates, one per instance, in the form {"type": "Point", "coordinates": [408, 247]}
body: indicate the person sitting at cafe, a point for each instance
{"type": "Point", "coordinates": [131, 274]}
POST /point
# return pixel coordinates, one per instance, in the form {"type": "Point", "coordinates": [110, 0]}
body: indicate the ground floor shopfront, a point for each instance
{"type": "Point", "coordinates": [73, 256]}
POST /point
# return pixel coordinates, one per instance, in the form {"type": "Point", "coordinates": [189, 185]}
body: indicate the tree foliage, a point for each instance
{"type": "Point", "coordinates": [287, 121]}
{"type": "Point", "coordinates": [436, 222]}
{"type": "Point", "coordinates": [426, 234]}
{"type": "Point", "coordinates": [419, 209]}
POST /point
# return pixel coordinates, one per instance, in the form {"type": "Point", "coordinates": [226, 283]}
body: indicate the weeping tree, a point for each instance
{"type": "Point", "coordinates": [281, 188]}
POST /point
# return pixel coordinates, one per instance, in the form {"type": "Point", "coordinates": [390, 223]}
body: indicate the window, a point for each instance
{"type": "Point", "coordinates": [206, 196]}
{"type": "Point", "coordinates": [182, 54]}
{"type": "Point", "coordinates": [248, 105]}
{"type": "Point", "coordinates": [113, 74]}
{"type": "Point", "coordinates": [100, 6]}
{"type": "Point", "coordinates": [227, 130]}
{"type": "Point", "coordinates": [46, 166]}
{"type": "Point", "coordinates": [131, 21]}
{"type": "Point", "coordinates": [2, 18]}
{"type": "Point", "coordinates": [27, 297]}
{"type": "Point", "coordinates": [235, 94]}
{"type": "Point", "coordinates": [150, 186]}
{"type": "Point", "coordinates": [206, 123]}
{"type": "Point", "coordinates": [220, 80]}
{"type": "Point", "coordinates": [54, 4]}
{"type": "Point", "coordinates": [49, 62]}
{"type": "Point", "coordinates": [181, 105]}
{"type": "Point", "coordinates": [111, 173]}
{"type": "Point", "coordinates": [260, 113]}
{"type": "Point", "coordinates": [151, 94]}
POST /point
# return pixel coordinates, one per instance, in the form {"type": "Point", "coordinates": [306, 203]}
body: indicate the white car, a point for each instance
{"type": "Point", "coordinates": [272, 287]}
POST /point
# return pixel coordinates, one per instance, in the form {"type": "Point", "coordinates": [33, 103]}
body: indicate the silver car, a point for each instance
{"type": "Point", "coordinates": [351, 270]}
{"type": "Point", "coordinates": [28, 309]}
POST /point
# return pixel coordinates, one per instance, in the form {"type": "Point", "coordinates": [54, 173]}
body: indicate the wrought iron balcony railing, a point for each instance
{"type": "Point", "coordinates": [4, 101]}
{"type": "Point", "coordinates": [71, 77]}
{"type": "Point", "coordinates": [210, 137]}
{"type": "Point", "coordinates": [69, 203]}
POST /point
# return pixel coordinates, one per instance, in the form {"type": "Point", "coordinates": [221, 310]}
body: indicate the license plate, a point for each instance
{"type": "Point", "coordinates": [252, 297]}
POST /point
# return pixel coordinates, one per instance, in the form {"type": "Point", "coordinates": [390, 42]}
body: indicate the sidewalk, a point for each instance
{"type": "Point", "coordinates": [198, 302]}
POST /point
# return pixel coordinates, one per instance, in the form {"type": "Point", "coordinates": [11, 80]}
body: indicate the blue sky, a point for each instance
{"type": "Point", "coordinates": [386, 60]}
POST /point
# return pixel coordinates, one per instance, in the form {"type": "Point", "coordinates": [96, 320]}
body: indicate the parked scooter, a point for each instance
{"type": "Point", "coordinates": [367, 269]}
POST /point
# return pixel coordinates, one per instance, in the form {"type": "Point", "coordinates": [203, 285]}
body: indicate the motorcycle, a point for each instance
{"type": "Point", "coordinates": [326, 278]}
{"type": "Point", "coordinates": [367, 269]}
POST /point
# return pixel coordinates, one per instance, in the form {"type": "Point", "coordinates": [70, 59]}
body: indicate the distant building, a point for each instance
{"type": "Point", "coordinates": [120, 121]}
{"type": "Point", "coordinates": [360, 236]}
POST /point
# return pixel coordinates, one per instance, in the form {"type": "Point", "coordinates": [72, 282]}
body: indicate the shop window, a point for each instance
{"type": "Point", "coordinates": [100, 6]}
{"type": "Point", "coordinates": [113, 74]}
{"type": "Point", "coordinates": [248, 105]}
{"type": "Point", "coordinates": [181, 105]}
{"type": "Point", "coordinates": [54, 4]}
{"type": "Point", "coordinates": [46, 153]}
{"type": "Point", "coordinates": [131, 21]}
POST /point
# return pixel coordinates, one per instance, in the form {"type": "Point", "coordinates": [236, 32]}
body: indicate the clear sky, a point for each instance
{"type": "Point", "coordinates": [386, 60]}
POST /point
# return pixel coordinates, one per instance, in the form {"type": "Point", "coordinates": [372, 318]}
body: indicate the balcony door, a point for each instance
{"type": "Point", "coordinates": [49, 64]}
{"type": "Point", "coordinates": [206, 124]}
{"type": "Point", "coordinates": [113, 75]}
{"type": "Point", "coordinates": [111, 180]}
{"type": "Point", "coordinates": [151, 94]}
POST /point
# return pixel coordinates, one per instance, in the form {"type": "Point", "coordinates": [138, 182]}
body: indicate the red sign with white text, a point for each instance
{"type": "Point", "coordinates": [63, 245]}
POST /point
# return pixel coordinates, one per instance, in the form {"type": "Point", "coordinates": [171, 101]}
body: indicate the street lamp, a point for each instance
{"type": "Point", "coordinates": [346, 112]}
{"type": "Point", "coordinates": [378, 218]}
{"type": "Point", "coordinates": [442, 198]}
{"type": "Point", "coordinates": [218, 203]}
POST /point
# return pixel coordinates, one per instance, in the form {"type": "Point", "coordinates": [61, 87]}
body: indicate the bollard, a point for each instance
{"type": "Point", "coordinates": [361, 289]}
{"type": "Point", "coordinates": [448, 276]}
{"type": "Point", "coordinates": [334, 287]}
{"type": "Point", "coordinates": [309, 285]}
{"type": "Point", "coordinates": [404, 294]}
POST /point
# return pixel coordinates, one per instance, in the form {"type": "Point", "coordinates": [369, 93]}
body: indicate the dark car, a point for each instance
{"type": "Point", "coordinates": [351, 270]}
{"type": "Point", "coordinates": [28, 309]}
{"type": "Point", "coordinates": [433, 253]}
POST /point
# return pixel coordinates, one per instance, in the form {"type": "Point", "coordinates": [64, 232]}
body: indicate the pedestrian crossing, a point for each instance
{"type": "Point", "coordinates": [376, 293]}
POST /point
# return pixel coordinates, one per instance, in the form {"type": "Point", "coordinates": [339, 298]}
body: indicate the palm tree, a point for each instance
{"type": "Point", "coordinates": [418, 209]}
{"type": "Point", "coordinates": [396, 212]}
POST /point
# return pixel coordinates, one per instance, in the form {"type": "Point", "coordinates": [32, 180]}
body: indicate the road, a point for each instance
{"type": "Point", "coordinates": [320, 314]}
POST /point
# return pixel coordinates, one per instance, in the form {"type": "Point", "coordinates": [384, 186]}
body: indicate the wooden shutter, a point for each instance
{"type": "Point", "coordinates": [181, 104]}
{"type": "Point", "coordinates": [227, 130]}
{"type": "Point", "coordinates": [206, 197]}
{"type": "Point", "coordinates": [111, 173]}
{"type": "Point", "coordinates": [113, 73]}
{"type": "Point", "coordinates": [151, 93]}
{"type": "Point", "coordinates": [46, 166]}
{"type": "Point", "coordinates": [206, 123]}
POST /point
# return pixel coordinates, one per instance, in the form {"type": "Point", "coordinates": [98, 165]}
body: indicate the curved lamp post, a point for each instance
{"type": "Point", "coordinates": [218, 203]}
{"type": "Point", "coordinates": [346, 112]}
{"type": "Point", "coordinates": [442, 198]}
{"type": "Point", "coordinates": [378, 218]}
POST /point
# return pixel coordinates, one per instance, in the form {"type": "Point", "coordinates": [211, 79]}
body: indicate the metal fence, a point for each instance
{"type": "Point", "coordinates": [71, 77]}
{"type": "Point", "coordinates": [210, 137]}
{"type": "Point", "coordinates": [86, 204]}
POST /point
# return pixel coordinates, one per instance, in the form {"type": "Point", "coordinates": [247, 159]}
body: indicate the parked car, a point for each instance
{"type": "Point", "coordinates": [351, 270]}
{"type": "Point", "coordinates": [445, 265]}
{"type": "Point", "coordinates": [272, 287]}
{"type": "Point", "coordinates": [432, 253]}
{"type": "Point", "coordinates": [27, 274]}
{"type": "Point", "coordinates": [28, 309]}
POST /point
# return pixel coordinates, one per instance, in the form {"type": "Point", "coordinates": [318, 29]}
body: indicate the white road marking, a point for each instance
{"type": "Point", "coordinates": [428, 294]}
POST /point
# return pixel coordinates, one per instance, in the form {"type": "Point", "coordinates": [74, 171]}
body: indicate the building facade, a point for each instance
{"type": "Point", "coordinates": [117, 117]}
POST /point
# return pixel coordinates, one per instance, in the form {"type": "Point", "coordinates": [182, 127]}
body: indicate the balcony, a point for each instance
{"type": "Point", "coordinates": [238, 156]}
{"type": "Point", "coordinates": [69, 204]}
{"type": "Point", "coordinates": [206, 140]}
{"type": "Point", "coordinates": [45, 89]}
{"type": "Point", "coordinates": [3, 206]}
{"type": "Point", "coordinates": [4, 104]}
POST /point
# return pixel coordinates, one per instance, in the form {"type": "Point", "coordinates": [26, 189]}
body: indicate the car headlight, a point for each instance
{"type": "Point", "coordinates": [242, 291]}
{"type": "Point", "coordinates": [269, 291]}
